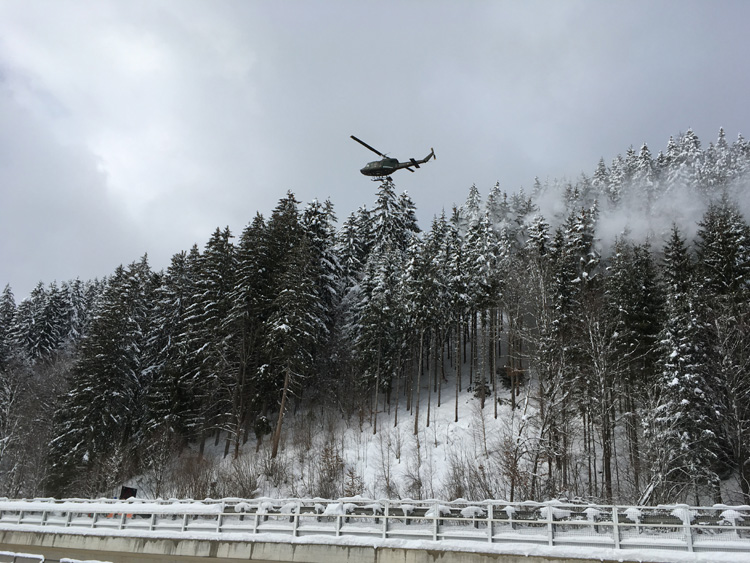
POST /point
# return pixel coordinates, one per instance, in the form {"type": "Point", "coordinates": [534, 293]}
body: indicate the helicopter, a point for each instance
{"type": "Point", "coordinates": [387, 166]}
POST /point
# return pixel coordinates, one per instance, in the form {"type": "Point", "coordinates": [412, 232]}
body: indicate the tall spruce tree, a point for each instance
{"type": "Point", "coordinates": [251, 301]}
{"type": "Point", "coordinates": [295, 327]}
{"type": "Point", "coordinates": [681, 428]}
{"type": "Point", "coordinates": [635, 307]}
{"type": "Point", "coordinates": [7, 315]}
{"type": "Point", "coordinates": [209, 308]}
{"type": "Point", "coordinates": [319, 227]}
{"type": "Point", "coordinates": [723, 251]}
{"type": "Point", "coordinates": [94, 427]}
{"type": "Point", "coordinates": [168, 402]}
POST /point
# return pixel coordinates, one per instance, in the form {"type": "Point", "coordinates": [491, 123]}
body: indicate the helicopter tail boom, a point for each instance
{"type": "Point", "coordinates": [424, 160]}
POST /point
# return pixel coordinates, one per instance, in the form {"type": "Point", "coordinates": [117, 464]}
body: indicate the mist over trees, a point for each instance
{"type": "Point", "coordinates": [614, 308]}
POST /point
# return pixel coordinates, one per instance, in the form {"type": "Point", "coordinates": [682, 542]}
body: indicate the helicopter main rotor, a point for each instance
{"type": "Point", "coordinates": [361, 142]}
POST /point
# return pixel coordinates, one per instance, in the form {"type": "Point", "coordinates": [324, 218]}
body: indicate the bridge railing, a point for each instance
{"type": "Point", "coordinates": [718, 528]}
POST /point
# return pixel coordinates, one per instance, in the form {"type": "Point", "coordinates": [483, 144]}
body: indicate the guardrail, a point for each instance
{"type": "Point", "coordinates": [718, 528]}
{"type": "Point", "coordinates": [13, 557]}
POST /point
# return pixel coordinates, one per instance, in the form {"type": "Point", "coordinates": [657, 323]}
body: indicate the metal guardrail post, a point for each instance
{"type": "Point", "coordinates": [688, 531]}
{"type": "Point", "coordinates": [386, 516]}
{"type": "Point", "coordinates": [490, 523]}
{"type": "Point", "coordinates": [338, 525]}
{"type": "Point", "coordinates": [436, 521]}
{"type": "Point", "coordinates": [184, 523]}
{"type": "Point", "coordinates": [615, 527]}
{"type": "Point", "coordinates": [550, 527]}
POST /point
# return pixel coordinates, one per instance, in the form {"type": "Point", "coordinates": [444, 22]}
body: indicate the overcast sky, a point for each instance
{"type": "Point", "coordinates": [131, 127]}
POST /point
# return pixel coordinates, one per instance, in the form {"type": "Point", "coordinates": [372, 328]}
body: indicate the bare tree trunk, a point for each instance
{"type": "Point", "coordinates": [277, 432]}
{"type": "Point", "coordinates": [398, 397]}
{"type": "Point", "coordinates": [429, 386]}
{"type": "Point", "coordinates": [482, 370]}
{"type": "Point", "coordinates": [442, 371]}
{"type": "Point", "coordinates": [202, 447]}
{"type": "Point", "coordinates": [493, 357]}
{"type": "Point", "coordinates": [409, 379]}
{"type": "Point", "coordinates": [374, 418]}
{"type": "Point", "coordinates": [587, 449]}
{"type": "Point", "coordinates": [632, 432]}
{"type": "Point", "coordinates": [419, 374]}
{"type": "Point", "coordinates": [435, 352]}
{"type": "Point", "coordinates": [474, 348]}
{"type": "Point", "coordinates": [744, 472]}
{"type": "Point", "coordinates": [458, 365]}
{"type": "Point", "coordinates": [513, 376]}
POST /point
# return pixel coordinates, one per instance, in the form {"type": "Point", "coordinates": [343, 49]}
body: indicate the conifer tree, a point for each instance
{"type": "Point", "coordinates": [295, 327]}
{"type": "Point", "coordinates": [644, 181]}
{"type": "Point", "coordinates": [7, 315]}
{"type": "Point", "coordinates": [168, 401]}
{"type": "Point", "coordinates": [635, 305]}
{"type": "Point", "coordinates": [685, 162]}
{"type": "Point", "coordinates": [471, 211]}
{"type": "Point", "coordinates": [209, 308]}
{"type": "Point", "coordinates": [457, 293]}
{"type": "Point", "coordinates": [600, 180]}
{"type": "Point", "coordinates": [251, 302]}
{"type": "Point", "coordinates": [392, 221]}
{"type": "Point", "coordinates": [350, 249]}
{"type": "Point", "coordinates": [681, 429]}
{"type": "Point", "coordinates": [723, 252]}
{"type": "Point", "coordinates": [497, 208]}
{"type": "Point", "coordinates": [27, 334]}
{"type": "Point", "coordinates": [103, 408]}
{"type": "Point", "coordinates": [424, 285]}
{"type": "Point", "coordinates": [318, 225]}
{"type": "Point", "coordinates": [380, 320]}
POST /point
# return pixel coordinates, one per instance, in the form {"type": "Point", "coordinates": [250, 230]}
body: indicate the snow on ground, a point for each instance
{"type": "Point", "coordinates": [394, 462]}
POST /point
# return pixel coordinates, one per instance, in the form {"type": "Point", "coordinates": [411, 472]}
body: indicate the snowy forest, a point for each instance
{"type": "Point", "coordinates": [598, 328]}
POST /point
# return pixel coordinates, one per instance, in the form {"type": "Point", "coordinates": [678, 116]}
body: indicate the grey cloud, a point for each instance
{"type": "Point", "coordinates": [57, 220]}
{"type": "Point", "coordinates": [191, 115]}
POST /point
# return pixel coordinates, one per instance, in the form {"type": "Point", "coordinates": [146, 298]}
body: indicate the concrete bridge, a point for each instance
{"type": "Point", "coordinates": [362, 531]}
{"type": "Point", "coordinates": [159, 550]}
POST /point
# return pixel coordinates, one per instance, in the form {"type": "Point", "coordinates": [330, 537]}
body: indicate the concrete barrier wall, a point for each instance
{"type": "Point", "coordinates": [160, 550]}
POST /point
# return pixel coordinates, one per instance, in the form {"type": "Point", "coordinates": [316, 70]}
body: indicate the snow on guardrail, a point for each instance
{"type": "Point", "coordinates": [717, 529]}
{"type": "Point", "coordinates": [102, 507]}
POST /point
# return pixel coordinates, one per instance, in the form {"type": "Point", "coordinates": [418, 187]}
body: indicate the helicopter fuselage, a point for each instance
{"type": "Point", "coordinates": [381, 167]}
